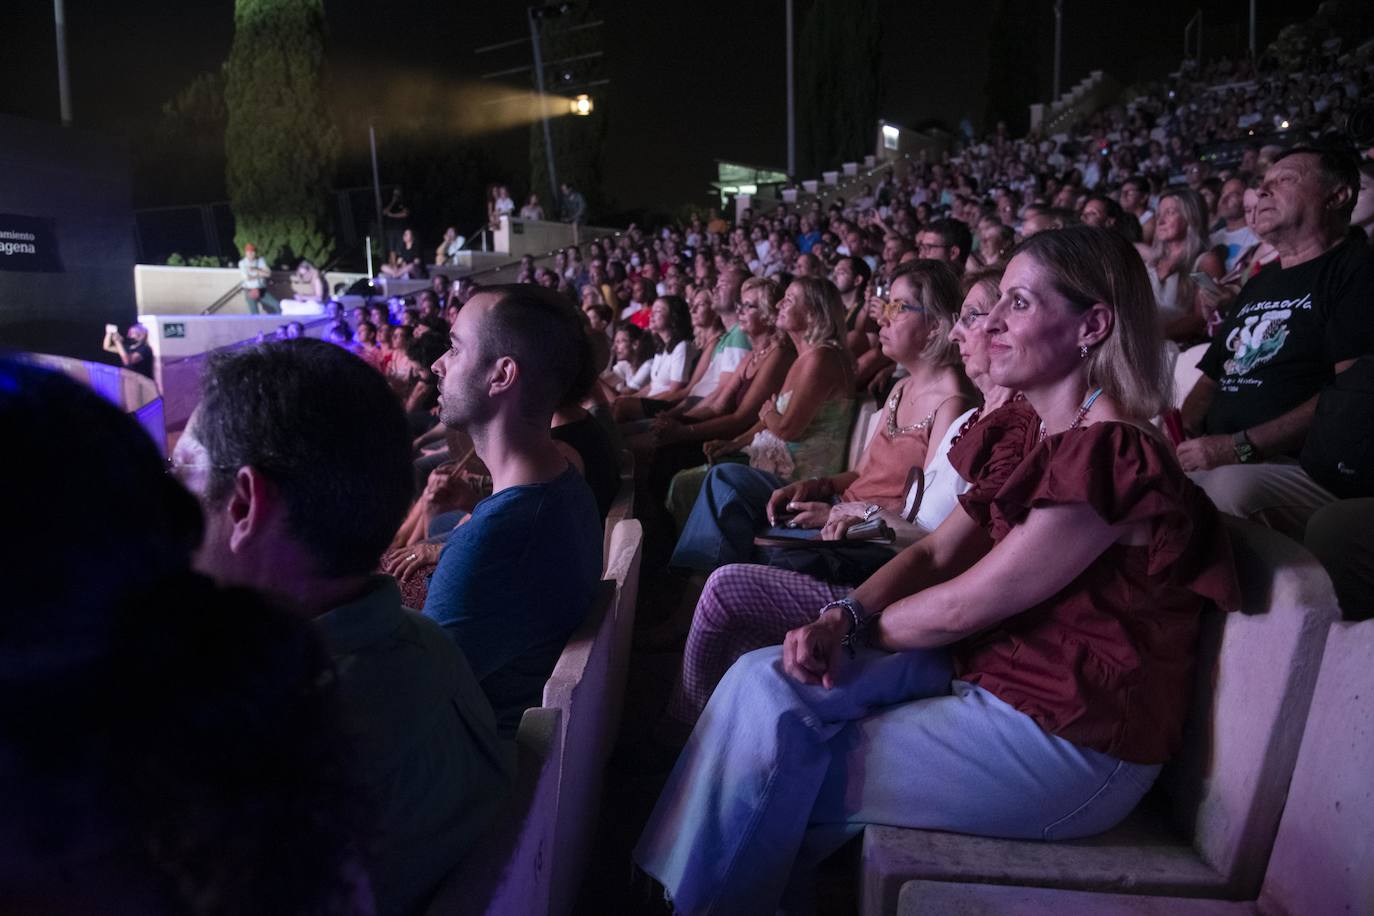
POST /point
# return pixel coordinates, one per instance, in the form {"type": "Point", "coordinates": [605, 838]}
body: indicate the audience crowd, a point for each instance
{"type": "Point", "coordinates": [1034, 496]}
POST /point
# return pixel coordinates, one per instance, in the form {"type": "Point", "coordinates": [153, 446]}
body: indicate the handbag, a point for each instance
{"type": "Point", "coordinates": [254, 293]}
{"type": "Point", "coordinates": [1339, 451]}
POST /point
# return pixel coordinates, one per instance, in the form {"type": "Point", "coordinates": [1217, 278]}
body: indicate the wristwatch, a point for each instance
{"type": "Point", "coordinates": [1245, 449]}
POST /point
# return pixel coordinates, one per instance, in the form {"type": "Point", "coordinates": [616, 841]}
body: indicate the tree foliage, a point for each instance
{"type": "Point", "coordinates": [280, 145]}
{"type": "Point", "coordinates": [838, 83]}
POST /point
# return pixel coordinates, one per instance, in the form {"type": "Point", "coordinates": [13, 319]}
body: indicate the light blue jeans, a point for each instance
{"type": "Point", "coordinates": [778, 774]}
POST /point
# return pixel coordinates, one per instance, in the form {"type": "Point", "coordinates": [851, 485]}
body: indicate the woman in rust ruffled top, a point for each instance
{"type": "Point", "coordinates": [1021, 672]}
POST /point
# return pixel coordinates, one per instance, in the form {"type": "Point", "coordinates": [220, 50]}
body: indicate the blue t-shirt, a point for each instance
{"type": "Point", "coordinates": [515, 582]}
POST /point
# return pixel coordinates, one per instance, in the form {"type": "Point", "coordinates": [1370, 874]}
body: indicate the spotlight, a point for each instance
{"type": "Point", "coordinates": [1283, 125]}
{"type": "Point", "coordinates": [582, 105]}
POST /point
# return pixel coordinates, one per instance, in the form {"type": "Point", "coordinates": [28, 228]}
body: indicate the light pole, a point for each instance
{"type": "Point", "coordinates": [64, 89]}
{"type": "Point", "coordinates": [535, 15]}
{"type": "Point", "coordinates": [791, 102]}
{"type": "Point", "coordinates": [1252, 30]}
{"type": "Point", "coordinates": [1058, 47]}
{"type": "Point", "coordinates": [376, 186]}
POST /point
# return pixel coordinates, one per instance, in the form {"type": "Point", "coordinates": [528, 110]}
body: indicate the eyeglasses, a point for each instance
{"type": "Point", "coordinates": [891, 308]}
{"type": "Point", "coordinates": [969, 317]}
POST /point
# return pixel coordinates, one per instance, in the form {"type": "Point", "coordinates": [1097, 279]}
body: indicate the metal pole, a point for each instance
{"type": "Point", "coordinates": [1252, 29]}
{"type": "Point", "coordinates": [791, 101]}
{"type": "Point", "coordinates": [543, 101]}
{"type": "Point", "coordinates": [1058, 47]}
{"type": "Point", "coordinates": [376, 188]}
{"type": "Point", "coordinates": [64, 89]}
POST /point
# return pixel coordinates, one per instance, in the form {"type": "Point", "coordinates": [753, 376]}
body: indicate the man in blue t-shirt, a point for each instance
{"type": "Point", "coordinates": [518, 577]}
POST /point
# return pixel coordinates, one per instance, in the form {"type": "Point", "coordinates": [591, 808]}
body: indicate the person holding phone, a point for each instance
{"type": "Point", "coordinates": [134, 353]}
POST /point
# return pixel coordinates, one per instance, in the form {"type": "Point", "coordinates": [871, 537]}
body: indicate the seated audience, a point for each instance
{"type": "Point", "coordinates": [167, 746]}
{"type": "Point", "coordinates": [1299, 322]}
{"type": "Point", "coordinates": [631, 361]}
{"type": "Point", "coordinates": [517, 578]}
{"type": "Point", "coordinates": [719, 634]}
{"type": "Point", "coordinates": [1234, 237]}
{"type": "Point", "coordinates": [1081, 671]}
{"type": "Point", "coordinates": [801, 432]}
{"type": "Point", "coordinates": [670, 325]}
{"type": "Point", "coordinates": [1179, 249]}
{"type": "Point", "coordinates": [300, 506]}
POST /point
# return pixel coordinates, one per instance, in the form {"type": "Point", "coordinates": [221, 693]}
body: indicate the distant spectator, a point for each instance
{"type": "Point", "coordinates": [409, 263]}
{"type": "Point", "coordinates": [306, 272]}
{"type": "Point", "coordinates": [574, 205]}
{"type": "Point", "coordinates": [945, 240]}
{"type": "Point", "coordinates": [1179, 249]}
{"type": "Point", "coordinates": [532, 209]}
{"type": "Point", "coordinates": [256, 273]}
{"type": "Point", "coordinates": [395, 216]}
{"type": "Point", "coordinates": [1234, 235]}
{"type": "Point", "coordinates": [447, 252]}
{"type": "Point", "coordinates": [301, 506]}
{"type": "Point", "coordinates": [135, 353]}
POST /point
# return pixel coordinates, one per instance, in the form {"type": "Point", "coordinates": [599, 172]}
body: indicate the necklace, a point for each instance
{"type": "Point", "coordinates": [893, 430]}
{"type": "Point", "coordinates": [1082, 412]}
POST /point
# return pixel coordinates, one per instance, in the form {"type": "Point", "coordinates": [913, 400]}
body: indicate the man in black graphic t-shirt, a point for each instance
{"type": "Point", "coordinates": [1292, 328]}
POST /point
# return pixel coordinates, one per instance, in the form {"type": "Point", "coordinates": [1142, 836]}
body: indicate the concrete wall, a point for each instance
{"type": "Point", "coordinates": [519, 237]}
{"type": "Point", "coordinates": [161, 290]}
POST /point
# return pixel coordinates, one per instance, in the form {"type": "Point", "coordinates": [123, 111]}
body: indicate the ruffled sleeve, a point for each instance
{"type": "Point", "coordinates": [989, 451]}
{"type": "Point", "coordinates": [1127, 476]}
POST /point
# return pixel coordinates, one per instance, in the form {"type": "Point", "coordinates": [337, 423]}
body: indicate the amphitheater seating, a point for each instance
{"type": "Point", "coordinates": [1221, 798]}
{"type": "Point", "coordinates": [532, 861]}
{"type": "Point", "coordinates": [510, 871]}
{"type": "Point", "coordinates": [1322, 854]}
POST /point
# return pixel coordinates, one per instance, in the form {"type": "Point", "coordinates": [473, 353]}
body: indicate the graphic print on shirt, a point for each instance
{"type": "Point", "coordinates": [1261, 334]}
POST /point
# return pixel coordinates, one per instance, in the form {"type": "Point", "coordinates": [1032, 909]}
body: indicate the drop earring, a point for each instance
{"type": "Point", "coordinates": [1083, 351]}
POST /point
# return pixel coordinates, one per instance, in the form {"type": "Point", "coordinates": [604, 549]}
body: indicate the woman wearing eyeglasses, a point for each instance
{"type": "Point", "coordinates": [1025, 670]}
{"type": "Point", "coordinates": [786, 593]}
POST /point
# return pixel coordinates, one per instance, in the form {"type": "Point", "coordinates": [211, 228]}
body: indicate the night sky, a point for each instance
{"type": "Point", "coordinates": [687, 87]}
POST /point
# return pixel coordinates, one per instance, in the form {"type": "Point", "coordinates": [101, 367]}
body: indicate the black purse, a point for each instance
{"type": "Point", "coordinates": [1339, 451]}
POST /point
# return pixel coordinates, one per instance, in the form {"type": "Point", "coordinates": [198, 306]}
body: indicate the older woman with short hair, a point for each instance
{"type": "Point", "coordinates": [1022, 672]}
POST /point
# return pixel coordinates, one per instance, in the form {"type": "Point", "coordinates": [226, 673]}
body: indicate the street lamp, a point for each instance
{"type": "Point", "coordinates": [582, 105]}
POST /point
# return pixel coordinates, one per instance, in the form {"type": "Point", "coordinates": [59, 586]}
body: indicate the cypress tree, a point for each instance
{"type": "Point", "coordinates": [280, 146]}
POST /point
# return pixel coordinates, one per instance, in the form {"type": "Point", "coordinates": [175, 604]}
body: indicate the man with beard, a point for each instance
{"type": "Point", "coordinates": [518, 577]}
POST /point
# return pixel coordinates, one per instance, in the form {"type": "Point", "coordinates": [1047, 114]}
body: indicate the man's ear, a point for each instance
{"type": "Point", "coordinates": [253, 505]}
{"type": "Point", "coordinates": [505, 372]}
{"type": "Point", "coordinates": [1339, 199]}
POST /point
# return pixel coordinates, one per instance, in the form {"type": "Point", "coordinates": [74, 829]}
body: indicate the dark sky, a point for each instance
{"type": "Point", "coordinates": [691, 82]}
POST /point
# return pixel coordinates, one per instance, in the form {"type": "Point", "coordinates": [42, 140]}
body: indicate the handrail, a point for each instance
{"type": "Point", "coordinates": [222, 301]}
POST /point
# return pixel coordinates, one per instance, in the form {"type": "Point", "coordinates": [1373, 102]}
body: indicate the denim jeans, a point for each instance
{"type": "Point", "coordinates": [728, 512]}
{"type": "Point", "coordinates": [778, 774]}
{"type": "Point", "coordinates": [269, 303]}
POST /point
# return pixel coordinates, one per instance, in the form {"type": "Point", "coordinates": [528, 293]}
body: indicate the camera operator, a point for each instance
{"type": "Point", "coordinates": [134, 353]}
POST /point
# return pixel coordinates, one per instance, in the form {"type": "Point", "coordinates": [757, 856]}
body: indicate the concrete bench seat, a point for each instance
{"type": "Point", "coordinates": [509, 871]}
{"type": "Point", "coordinates": [1223, 794]}
{"type": "Point", "coordinates": [1323, 859]}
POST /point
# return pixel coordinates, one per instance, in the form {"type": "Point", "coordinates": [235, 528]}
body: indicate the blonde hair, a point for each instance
{"type": "Point", "coordinates": [825, 319]}
{"type": "Point", "coordinates": [1088, 265]}
{"type": "Point", "coordinates": [768, 305]}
